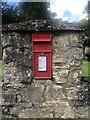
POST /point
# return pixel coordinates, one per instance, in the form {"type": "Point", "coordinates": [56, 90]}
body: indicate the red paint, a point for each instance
{"type": "Point", "coordinates": [42, 48]}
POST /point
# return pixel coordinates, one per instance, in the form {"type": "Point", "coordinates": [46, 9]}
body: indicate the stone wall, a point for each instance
{"type": "Point", "coordinates": [62, 97]}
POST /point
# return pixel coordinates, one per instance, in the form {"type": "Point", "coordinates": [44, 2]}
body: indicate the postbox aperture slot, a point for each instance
{"type": "Point", "coordinates": [40, 47]}
{"type": "Point", "coordinates": [41, 37]}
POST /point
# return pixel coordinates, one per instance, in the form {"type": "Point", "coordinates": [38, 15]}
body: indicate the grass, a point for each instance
{"type": "Point", "coordinates": [1, 67]}
{"type": "Point", "coordinates": [86, 68]}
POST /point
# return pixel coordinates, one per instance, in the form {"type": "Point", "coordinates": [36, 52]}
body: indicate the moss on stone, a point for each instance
{"type": "Point", "coordinates": [1, 67]}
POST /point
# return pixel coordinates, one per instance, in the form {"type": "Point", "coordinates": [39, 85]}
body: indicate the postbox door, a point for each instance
{"type": "Point", "coordinates": [42, 65]}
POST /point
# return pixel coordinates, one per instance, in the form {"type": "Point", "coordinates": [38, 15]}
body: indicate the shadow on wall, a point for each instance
{"type": "Point", "coordinates": [83, 93]}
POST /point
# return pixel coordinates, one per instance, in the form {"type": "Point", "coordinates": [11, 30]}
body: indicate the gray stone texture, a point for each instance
{"type": "Point", "coordinates": [57, 98]}
{"type": "Point", "coordinates": [41, 25]}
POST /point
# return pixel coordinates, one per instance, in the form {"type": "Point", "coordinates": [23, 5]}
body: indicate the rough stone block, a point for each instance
{"type": "Point", "coordinates": [54, 92]}
{"type": "Point", "coordinates": [9, 98]}
{"type": "Point", "coordinates": [59, 79]}
{"type": "Point", "coordinates": [63, 110]}
{"type": "Point", "coordinates": [64, 73]}
{"type": "Point", "coordinates": [82, 112]}
{"type": "Point", "coordinates": [32, 93]}
{"type": "Point", "coordinates": [29, 113]}
{"type": "Point", "coordinates": [72, 93]}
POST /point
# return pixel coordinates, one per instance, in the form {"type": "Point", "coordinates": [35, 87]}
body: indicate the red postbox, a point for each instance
{"type": "Point", "coordinates": [42, 55]}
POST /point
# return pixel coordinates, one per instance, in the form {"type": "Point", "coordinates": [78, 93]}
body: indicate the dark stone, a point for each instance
{"type": "Point", "coordinates": [9, 98]}
{"type": "Point", "coordinates": [41, 25]}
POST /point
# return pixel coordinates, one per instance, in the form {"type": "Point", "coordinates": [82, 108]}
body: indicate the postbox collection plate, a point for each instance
{"type": "Point", "coordinates": [42, 63]}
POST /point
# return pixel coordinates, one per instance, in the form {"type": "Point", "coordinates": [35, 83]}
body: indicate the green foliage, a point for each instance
{"type": "Point", "coordinates": [9, 13]}
{"type": "Point", "coordinates": [87, 10]}
{"type": "Point", "coordinates": [34, 10]}
{"type": "Point", "coordinates": [26, 11]}
{"type": "Point", "coordinates": [86, 68]}
{"type": "Point", "coordinates": [83, 22]}
{"type": "Point", "coordinates": [87, 32]}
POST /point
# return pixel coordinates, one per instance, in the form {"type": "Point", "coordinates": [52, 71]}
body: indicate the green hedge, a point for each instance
{"type": "Point", "coordinates": [86, 68]}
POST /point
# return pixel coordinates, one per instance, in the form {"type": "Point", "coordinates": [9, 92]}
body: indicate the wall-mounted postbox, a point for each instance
{"type": "Point", "coordinates": [42, 55]}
